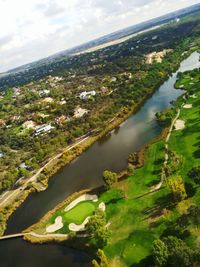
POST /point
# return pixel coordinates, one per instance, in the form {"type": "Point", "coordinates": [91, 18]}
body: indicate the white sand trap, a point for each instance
{"type": "Point", "coordinates": [193, 96]}
{"type": "Point", "coordinates": [179, 125]}
{"type": "Point", "coordinates": [188, 106]}
{"type": "Point", "coordinates": [82, 198]}
{"type": "Point", "coordinates": [102, 206]}
{"type": "Point", "coordinates": [78, 227]}
{"type": "Point", "coordinates": [56, 226]}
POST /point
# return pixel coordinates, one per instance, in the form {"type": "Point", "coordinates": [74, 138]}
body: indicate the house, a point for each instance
{"type": "Point", "coordinates": [29, 125]}
{"type": "Point", "coordinates": [61, 120]}
{"type": "Point", "coordinates": [113, 79]}
{"type": "Point", "coordinates": [15, 118]}
{"type": "Point", "coordinates": [42, 115]}
{"type": "Point", "coordinates": [154, 37]}
{"type": "Point", "coordinates": [157, 56]}
{"type": "Point", "coordinates": [44, 92]}
{"type": "Point", "coordinates": [104, 90]}
{"type": "Point", "coordinates": [62, 102]}
{"type": "Point", "coordinates": [86, 95]}
{"type": "Point", "coordinates": [23, 166]}
{"type": "Point", "coordinates": [48, 100]}
{"type": "Point", "coordinates": [54, 79]}
{"type": "Point", "coordinates": [2, 123]}
{"type": "Point", "coordinates": [43, 129]}
{"type": "Point", "coordinates": [16, 91]}
{"type": "Point", "coordinates": [79, 112]}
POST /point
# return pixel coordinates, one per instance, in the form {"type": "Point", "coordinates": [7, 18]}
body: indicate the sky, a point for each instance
{"type": "Point", "coordinates": [34, 29]}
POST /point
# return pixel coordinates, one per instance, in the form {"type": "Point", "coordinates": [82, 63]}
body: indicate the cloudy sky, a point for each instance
{"type": "Point", "coordinates": [33, 29]}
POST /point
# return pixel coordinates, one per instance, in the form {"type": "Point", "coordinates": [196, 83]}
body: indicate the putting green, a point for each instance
{"type": "Point", "coordinates": [79, 213]}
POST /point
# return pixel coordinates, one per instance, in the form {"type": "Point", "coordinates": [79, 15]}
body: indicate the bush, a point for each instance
{"type": "Point", "coordinates": [110, 178]}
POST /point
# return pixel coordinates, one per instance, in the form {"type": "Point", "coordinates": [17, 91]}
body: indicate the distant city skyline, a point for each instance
{"type": "Point", "coordinates": [34, 29]}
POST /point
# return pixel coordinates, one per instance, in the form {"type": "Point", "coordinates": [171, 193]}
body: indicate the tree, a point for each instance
{"type": "Point", "coordinates": [177, 187]}
{"type": "Point", "coordinates": [160, 253]}
{"type": "Point", "coordinates": [194, 213]}
{"type": "Point", "coordinates": [97, 230]}
{"type": "Point", "coordinates": [103, 261]}
{"type": "Point", "coordinates": [172, 252]}
{"type": "Point", "coordinates": [194, 174]}
{"type": "Point", "coordinates": [110, 178]}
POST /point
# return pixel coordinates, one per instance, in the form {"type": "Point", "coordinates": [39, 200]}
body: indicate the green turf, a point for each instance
{"type": "Point", "coordinates": [76, 215]}
{"type": "Point", "coordinates": [137, 220]}
{"type": "Point", "coordinates": [79, 213]}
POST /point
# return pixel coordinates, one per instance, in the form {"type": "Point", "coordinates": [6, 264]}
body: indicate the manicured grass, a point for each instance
{"type": "Point", "coordinates": [76, 215]}
{"type": "Point", "coordinates": [79, 213]}
{"type": "Point", "coordinates": [140, 218]}
{"type": "Point", "coordinates": [133, 218]}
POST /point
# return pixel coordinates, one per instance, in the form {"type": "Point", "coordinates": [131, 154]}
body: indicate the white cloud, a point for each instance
{"type": "Point", "coordinates": [33, 29]}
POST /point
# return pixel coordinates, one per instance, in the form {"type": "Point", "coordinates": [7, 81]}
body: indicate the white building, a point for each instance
{"type": "Point", "coordinates": [79, 112]}
{"type": "Point", "coordinates": [86, 95]}
{"type": "Point", "coordinates": [43, 129]}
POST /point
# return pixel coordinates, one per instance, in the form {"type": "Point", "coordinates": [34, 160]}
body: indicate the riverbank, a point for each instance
{"type": "Point", "coordinates": [19, 195]}
{"type": "Point", "coordinates": [41, 238]}
{"type": "Point", "coordinates": [70, 155]}
{"type": "Point", "coordinates": [155, 210]}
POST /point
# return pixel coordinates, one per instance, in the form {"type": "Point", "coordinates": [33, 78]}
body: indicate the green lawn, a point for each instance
{"type": "Point", "coordinates": [76, 215]}
{"type": "Point", "coordinates": [79, 213]}
{"type": "Point", "coordinates": [139, 219]}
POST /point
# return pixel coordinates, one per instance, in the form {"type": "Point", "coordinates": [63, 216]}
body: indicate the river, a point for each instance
{"type": "Point", "coordinates": [85, 172]}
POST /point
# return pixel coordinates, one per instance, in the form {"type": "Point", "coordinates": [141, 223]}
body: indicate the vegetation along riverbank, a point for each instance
{"type": "Point", "coordinates": [154, 222]}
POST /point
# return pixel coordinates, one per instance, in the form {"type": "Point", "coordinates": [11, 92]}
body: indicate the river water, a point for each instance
{"type": "Point", "coordinates": [85, 172]}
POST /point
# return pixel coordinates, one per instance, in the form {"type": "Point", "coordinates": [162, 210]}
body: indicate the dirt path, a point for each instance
{"type": "Point", "coordinates": [158, 186]}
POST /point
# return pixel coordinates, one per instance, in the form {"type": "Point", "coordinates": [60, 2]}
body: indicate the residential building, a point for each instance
{"type": "Point", "coordinates": [29, 125]}
{"type": "Point", "coordinates": [86, 95]}
{"type": "Point", "coordinates": [43, 129]}
{"type": "Point", "coordinates": [79, 112]}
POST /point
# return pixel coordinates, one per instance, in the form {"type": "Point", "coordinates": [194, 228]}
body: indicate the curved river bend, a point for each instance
{"type": "Point", "coordinates": [85, 172]}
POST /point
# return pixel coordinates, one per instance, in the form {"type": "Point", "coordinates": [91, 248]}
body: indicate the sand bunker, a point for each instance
{"type": "Point", "coordinates": [78, 227]}
{"type": "Point", "coordinates": [188, 106]}
{"type": "Point", "coordinates": [179, 125]}
{"type": "Point", "coordinates": [102, 206]}
{"type": "Point", "coordinates": [56, 226]}
{"type": "Point", "coordinates": [84, 197]}
{"type": "Point", "coordinates": [193, 96]}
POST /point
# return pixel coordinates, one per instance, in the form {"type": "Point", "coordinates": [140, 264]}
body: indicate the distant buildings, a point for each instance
{"type": "Point", "coordinates": [157, 56]}
{"type": "Point", "coordinates": [86, 95]}
{"type": "Point", "coordinates": [54, 78]}
{"type": "Point", "coordinates": [16, 92]}
{"type": "Point", "coordinates": [79, 112]}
